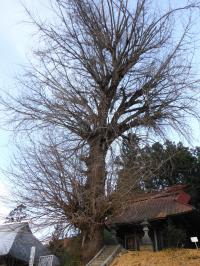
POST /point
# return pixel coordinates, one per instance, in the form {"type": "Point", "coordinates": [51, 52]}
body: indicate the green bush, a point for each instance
{"type": "Point", "coordinates": [69, 256]}
{"type": "Point", "coordinates": [72, 255]}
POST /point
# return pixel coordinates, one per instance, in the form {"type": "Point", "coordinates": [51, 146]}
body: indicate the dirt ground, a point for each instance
{"type": "Point", "coordinates": [178, 257]}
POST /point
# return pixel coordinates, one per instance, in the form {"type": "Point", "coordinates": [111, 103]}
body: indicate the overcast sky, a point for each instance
{"type": "Point", "coordinates": [15, 44]}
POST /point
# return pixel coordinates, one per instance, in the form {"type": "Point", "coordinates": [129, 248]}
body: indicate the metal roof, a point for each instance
{"type": "Point", "coordinates": [16, 239]}
{"type": "Point", "coordinates": [8, 233]}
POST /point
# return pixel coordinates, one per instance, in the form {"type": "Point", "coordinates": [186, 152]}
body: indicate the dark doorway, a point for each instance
{"type": "Point", "coordinates": [131, 242]}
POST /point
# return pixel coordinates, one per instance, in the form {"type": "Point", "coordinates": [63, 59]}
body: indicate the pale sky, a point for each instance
{"type": "Point", "coordinates": [15, 44]}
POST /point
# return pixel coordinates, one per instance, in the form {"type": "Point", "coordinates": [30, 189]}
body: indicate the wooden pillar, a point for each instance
{"type": "Point", "coordinates": [135, 241]}
{"type": "Point", "coordinates": [125, 244]}
{"type": "Point", "coordinates": [161, 240]}
{"type": "Point", "coordinates": [155, 240]}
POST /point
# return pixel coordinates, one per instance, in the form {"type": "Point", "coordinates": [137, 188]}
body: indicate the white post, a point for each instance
{"type": "Point", "coordinates": [32, 256]}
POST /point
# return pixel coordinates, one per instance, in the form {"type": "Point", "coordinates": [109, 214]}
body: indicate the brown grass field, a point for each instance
{"type": "Point", "coordinates": [170, 257]}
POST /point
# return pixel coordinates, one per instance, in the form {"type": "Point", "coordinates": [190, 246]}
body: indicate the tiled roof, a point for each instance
{"type": "Point", "coordinates": [153, 206]}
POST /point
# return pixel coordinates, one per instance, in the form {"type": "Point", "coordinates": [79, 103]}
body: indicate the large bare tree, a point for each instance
{"type": "Point", "coordinates": [103, 68]}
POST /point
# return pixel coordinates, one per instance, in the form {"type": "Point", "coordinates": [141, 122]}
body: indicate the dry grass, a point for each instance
{"type": "Point", "coordinates": [175, 257]}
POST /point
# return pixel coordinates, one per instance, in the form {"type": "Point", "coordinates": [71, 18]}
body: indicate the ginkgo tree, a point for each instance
{"type": "Point", "coordinates": [101, 69]}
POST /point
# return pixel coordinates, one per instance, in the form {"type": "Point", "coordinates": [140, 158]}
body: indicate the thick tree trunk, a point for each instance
{"type": "Point", "coordinates": [95, 196]}
{"type": "Point", "coordinates": [92, 242]}
{"type": "Point", "coordinates": [96, 172]}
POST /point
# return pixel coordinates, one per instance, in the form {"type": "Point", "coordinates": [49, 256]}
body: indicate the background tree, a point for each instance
{"type": "Point", "coordinates": [133, 165]}
{"type": "Point", "coordinates": [18, 214]}
{"type": "Point", "coordinates": [103, 68]}
{"type": "Point", "coordinates": [179, 164]}
{"type": "Point", "coordinates": [163, 165]}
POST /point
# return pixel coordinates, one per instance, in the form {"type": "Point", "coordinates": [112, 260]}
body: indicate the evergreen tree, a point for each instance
{"type": "Point", "coordinates": [129, 164]}
{"type": "Point", "coordinates": [159, 166]}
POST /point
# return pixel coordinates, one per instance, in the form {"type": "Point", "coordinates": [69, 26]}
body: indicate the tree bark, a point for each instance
{"type": "Point", "coordinates": [95, 193]}
{"type": "Point", "coordinates": [93, 242]}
